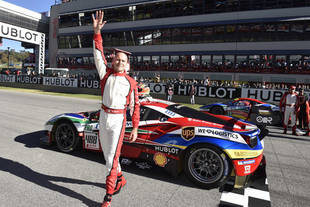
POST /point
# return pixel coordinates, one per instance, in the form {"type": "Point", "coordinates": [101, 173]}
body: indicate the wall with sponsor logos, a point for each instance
{"type": "Point", "coordinates": [51, 84]}
{"type": "Point", "coordinates": [158, 90]}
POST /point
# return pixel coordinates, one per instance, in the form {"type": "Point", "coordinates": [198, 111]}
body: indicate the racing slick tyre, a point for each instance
{"type": "Point", "coordinates": [66, 137]}
{"type": "Point", "coordinates": [206, 166]}
{"type": "Point", "coordinates": [217, 110]}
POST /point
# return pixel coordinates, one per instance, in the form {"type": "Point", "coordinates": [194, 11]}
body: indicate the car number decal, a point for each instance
{"type": "Point", "coordinates": [91, 141]}
{"type": "Point", "coordinates": [168, 112]}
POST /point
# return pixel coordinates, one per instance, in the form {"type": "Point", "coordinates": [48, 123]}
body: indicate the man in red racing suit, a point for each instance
{"type": "Point", "coordinates": [289, 102]}
{"type": "Point", "coordinates": [118, 91]}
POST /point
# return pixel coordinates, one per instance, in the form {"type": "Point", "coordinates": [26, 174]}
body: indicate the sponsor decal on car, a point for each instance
{"type": "Point", "coordinates": [247, 169]}
{"type": "Point", "coordinates": [91, 127]}
{"type": "Point", "coordinates": [265, 120]}
{"type": "Point", "coordinates": [91, 141]}
{"type": "Point", "coordinates": [160, 159]}
{"type": "Point", "coordinates": [243, 154]}
{"type": "Point", "coordinates": [246, 153]}
{"type": "Point", "coordinates": [165, 149]}
{"type": "Point", "coordinates": [246, 162]}
{"type": "Point", "coordinates": [264, 112]}
{"type": "Point", "coordinates": [188, 133]}
{"type": "Point", "coordinates": [168, 112]}
{"type": "Point", "coordinates": [219, 133]}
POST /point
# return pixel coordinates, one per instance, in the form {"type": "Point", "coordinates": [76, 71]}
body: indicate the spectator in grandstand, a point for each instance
{"type": "Point", "coordinates": [169, 92]}
{"type": "Point", "coordinates": [289, 106]}
{"type": "Point", "coordinates": [206, 81]}
{"type": "Point", "coordinates": [303, 112]}
{"type": "Point", "coordinates": [192, 93]}
{"type": "Point", "coordinates": [119, 91]}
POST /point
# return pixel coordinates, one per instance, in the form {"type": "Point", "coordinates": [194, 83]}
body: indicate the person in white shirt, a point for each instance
{"type": "Point", "coordinates": [289, 105]}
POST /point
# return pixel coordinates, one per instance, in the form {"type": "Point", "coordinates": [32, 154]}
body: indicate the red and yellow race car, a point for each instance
{"type": "Point", "coordinates": [208, 148]}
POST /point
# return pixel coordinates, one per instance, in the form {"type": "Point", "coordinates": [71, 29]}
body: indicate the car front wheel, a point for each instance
{"type": "Point", "coordinates": [66, 137]}
{"type": "Point", "coordinates": [206, 166]}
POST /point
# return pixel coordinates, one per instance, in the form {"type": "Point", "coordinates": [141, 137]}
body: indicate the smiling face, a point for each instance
{"type": "Point", "coordinates": [120, 62]}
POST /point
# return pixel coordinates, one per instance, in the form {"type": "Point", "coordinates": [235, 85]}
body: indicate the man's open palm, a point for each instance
{"type": "Point", "coordinates": [97, 22]}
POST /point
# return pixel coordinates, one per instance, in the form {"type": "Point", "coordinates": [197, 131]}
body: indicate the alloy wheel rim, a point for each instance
{"type": "Point", "coordinates": [65, 136]}
{"type": "Point", "coordinates": [205, 165]}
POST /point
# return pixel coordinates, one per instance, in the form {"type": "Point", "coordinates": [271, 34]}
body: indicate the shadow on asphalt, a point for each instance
{"type": "Point", "coordinates": [138, 167]}
{"type": "Point", "coordinates": [46, 181]}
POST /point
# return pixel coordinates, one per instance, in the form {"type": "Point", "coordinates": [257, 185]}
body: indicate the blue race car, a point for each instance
{"type": "Point", "coordinates": [250, 109]}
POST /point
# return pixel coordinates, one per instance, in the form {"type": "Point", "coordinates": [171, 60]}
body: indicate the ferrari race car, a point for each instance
{"type": "Point", "coordinates": [208, 148]}
{"type": "Point", "coordinates": [253, 110]}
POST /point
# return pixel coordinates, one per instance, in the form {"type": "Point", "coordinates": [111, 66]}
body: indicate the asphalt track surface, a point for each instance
{"type": "Point", "coordinates": [35, 175]}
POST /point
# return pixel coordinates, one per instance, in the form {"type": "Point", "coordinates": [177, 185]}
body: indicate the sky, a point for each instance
{"type": "Point", "coordinates": [34, 5]}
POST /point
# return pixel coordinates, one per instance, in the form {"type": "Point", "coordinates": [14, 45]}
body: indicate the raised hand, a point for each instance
{"type": "Point", "coordinates": [98, 21]}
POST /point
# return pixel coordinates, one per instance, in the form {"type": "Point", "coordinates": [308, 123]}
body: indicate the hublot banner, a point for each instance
{"type": "Point", "coordinates": [157, 88]}
{"type": "Point", "coordinates": [89, 84]}
{"type": "Point", "coordinates": [201, 91]}
{"type": "Point", "coordinates": [56, 81]}
{"type": "Point", "coordinates": [7, 78]}
{"type": "Point", "coordinates": [268, 95]}
{"type": "Point", "coordinates": [210, 92]}
{"type": "Point", "coordinates": [28, 79]}
{"type": "Point", "coordinates": [19, 33]}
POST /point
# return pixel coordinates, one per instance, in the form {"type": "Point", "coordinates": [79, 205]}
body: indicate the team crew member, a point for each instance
{"type": "Point", "coordinates": [118, 91]}
{"type": "Point", "coordinates": [303, 112]}
{"type": "Point", "coordinates": [289, 102]}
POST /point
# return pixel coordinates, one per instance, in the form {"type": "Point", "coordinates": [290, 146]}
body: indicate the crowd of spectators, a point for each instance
{"type": "Point", "coordinates": [253, 66]}
{"type": "Point", "coordinates": [301, 66]}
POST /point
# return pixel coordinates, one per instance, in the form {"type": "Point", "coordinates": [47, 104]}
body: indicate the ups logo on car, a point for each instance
{"type": "Point", "coordinates": [188, 133]}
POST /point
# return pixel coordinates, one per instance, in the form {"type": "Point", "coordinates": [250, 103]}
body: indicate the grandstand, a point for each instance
{"type": "Point", "coordinates": [234, 40]}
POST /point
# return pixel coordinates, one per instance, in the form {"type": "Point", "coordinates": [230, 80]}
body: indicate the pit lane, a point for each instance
{"type": "Point", "coordinates": [36, 175]}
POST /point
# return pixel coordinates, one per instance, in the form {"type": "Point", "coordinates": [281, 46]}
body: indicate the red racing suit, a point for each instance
{"type": "Point", "coordinates": [303, 111]}
{"type": "Point", "coordinates": [118, 92]}
{"type": "Point", "coordinates": [289, 102]}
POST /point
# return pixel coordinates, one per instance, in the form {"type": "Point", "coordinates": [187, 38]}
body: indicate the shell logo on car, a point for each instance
{"type": "Point", "coordinates": [160, 159]}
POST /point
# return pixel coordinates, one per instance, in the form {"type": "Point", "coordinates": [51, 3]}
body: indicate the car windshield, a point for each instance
{"type": "Point", "coordinates": [192, 113]}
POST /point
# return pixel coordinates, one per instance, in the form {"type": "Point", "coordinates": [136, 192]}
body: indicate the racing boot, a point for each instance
{"type": "Point", "coordinates": [120, 183]}
{"type": "Point", "coordinates": [107, 201]}
{"type": "Point", "coordinates": [294, 130]}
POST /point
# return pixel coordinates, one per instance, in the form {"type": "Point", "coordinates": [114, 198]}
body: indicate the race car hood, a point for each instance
{"type": "Point", "coordinates": [78, 119]}
{"type": "Point", "coordinates": [74, 117]}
